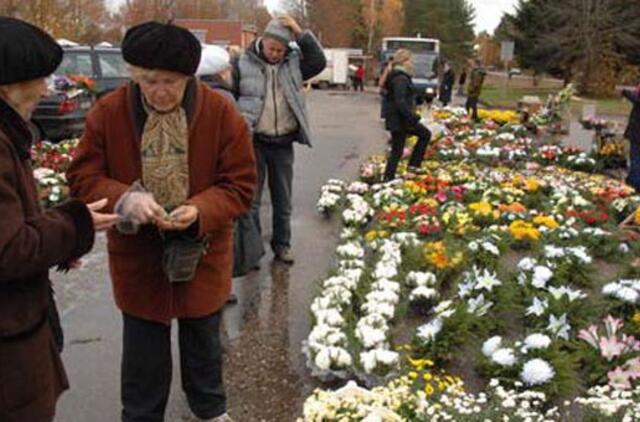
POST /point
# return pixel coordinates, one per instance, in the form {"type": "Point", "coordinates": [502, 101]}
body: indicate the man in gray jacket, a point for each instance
{"type": "Point", "coordinates": [269, 80]}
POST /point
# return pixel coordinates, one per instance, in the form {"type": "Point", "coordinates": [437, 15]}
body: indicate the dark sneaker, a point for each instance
{"type": "Point", "coordinates": [284, 255]}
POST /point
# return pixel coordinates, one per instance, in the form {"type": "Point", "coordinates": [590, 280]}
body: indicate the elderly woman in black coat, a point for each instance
{"type": "Point", "coordinates": [400, 114]}
{"type": "Point", "coordinates": [32, 240]}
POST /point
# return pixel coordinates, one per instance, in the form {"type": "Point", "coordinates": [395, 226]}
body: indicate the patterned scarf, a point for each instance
{"type": "Point", "coordinates": [165, 156]}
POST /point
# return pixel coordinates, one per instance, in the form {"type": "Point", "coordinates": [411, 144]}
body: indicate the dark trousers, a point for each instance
{"type": "Point", "coordinates": [358, 84]}
{"type": "Point", "coordinates": [398, 139]}
{"type": "Point", "coordinates": [275, 164]}
{"type": "Point", "coordinates": [147, 367]}
{"type": "Point", "coordinates": [633, 178]}
{"type": "Point", "coordinates": [472, 104]}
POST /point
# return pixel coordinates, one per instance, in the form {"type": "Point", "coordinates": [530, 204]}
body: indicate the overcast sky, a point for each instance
{"type": "Point", "coordinates": [488, 12]}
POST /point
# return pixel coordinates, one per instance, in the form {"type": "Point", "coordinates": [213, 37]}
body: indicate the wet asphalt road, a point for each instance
{"type": "Point", "coordinates": [265, 372]}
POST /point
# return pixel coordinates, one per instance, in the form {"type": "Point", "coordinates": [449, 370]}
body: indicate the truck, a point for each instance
{"type": "Point", "coordinates": [336, 74]}
{"type": "Point", "coordinates": [426, 56]}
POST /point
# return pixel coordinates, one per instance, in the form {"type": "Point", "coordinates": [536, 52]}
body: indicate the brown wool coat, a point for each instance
{"type": "Point", "coordinates": [222, 179]}
{"type": "Point", "coordinates": [31, 241]}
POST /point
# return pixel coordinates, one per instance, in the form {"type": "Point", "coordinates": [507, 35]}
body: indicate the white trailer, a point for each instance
{"type": "Point", "coordinates": [337, 71]}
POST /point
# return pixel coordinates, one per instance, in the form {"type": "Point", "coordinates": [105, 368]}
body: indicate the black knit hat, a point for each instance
{"type": "Point", "coordinates": [26, 52]}
{"type": "Point", "coordinates": [155, 45]}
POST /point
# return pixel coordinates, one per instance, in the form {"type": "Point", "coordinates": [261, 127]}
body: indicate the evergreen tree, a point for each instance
{"type": "Point", "coordinates": [450, 21]}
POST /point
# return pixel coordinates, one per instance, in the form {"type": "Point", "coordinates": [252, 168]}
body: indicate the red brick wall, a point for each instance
{"type": "Point", "coordinates": [218, 31]}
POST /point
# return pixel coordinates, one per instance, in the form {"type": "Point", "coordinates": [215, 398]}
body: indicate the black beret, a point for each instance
{"type": "Point", "coordinates": [26, 52]}
{"type": "Point", "coordinates": [155, 45]}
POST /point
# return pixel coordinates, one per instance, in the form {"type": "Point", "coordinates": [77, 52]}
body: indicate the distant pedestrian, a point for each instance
{"type": "Point", "coordinates": [462, 81]}
{"type": "Point", "coordinates": [474, 88]}
{"type": "Point", "coordinates": [446, 85]}
{"type": "Point", "coordinates": [359, 78]}
{"type": "Point", "coordinates": [633, 135]}
{"type": "Point", "coordinates": [215, 70]}
{"type": "Point", "coordinates": [401, 116]}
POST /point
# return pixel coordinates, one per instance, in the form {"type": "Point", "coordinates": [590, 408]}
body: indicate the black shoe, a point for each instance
{"type": "Point", "coordinates": [284, 255]}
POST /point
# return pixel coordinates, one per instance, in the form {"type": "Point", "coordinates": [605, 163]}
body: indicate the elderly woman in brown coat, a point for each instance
{"type": "Point", "coordinates": [175, 160]}
{"type": "Point", "coordinates": [31, 240]}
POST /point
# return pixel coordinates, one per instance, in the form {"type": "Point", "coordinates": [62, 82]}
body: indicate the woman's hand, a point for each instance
{"type": "Point", "coordinates": [101, 221]}
{"type": "Point", "coordinates": [180, 219]}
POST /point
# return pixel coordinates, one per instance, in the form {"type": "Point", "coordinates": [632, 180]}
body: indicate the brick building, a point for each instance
{"type": "Point", "coordinates": [220, 31]}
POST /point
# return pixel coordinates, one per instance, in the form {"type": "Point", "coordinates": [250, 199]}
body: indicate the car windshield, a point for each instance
{"type": "Point", "coordinates": [112, 65]}
{"type": "Point", "coordinates": [75, 63]}
{"type": "Point", "coordinates": [423, 66]}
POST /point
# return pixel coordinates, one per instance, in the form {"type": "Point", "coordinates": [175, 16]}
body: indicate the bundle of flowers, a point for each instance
{"type": "Point", "coordinates": [54, 156]}
{"type": "Point", "coordinates": [557, 104]}
{"type": "Point", "coordinates": [52, 186]}
{"type": "Point", "coordinates": [72, 85]}
{"type": "Point", "coordinates": [50, 162]}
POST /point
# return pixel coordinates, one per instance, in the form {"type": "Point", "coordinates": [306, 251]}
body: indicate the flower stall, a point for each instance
{"type": "Point", "coordinates": [496, 286]}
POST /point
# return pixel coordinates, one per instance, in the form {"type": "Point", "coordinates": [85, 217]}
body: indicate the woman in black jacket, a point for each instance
{"type": "Point", "coordinates": [446, 86]}
{"type": "Point", "coordinates": [401, 116]}
{"type": "Point", "coordinates": [633, 135]}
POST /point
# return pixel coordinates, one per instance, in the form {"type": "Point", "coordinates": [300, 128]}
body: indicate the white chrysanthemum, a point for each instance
{"type": "Point", "coordinates": [329, 357]}
{"type": "Point", "coordinates": [504, 357]}
{"type": "Point", "coordinates": [537, 341]}
{"type": "Point", "coordinates": [541, 275]}
{"type": "Point", "coordinates": [423, 293]}
{"type": "Point", "coordinates": [536, 372]}
{"type": "Point", "coordinates": [490, 346]}
{"type": "Point", "coordinates": [371, 359]}
{"type": "Point", "coordinates": [421, 278]}
{"type": "Point", "coordinates": [551, 251]}
{"type": "Point", "coordinates": [370, 336]}
{"type": "Point", "coordinates": [527, 264]}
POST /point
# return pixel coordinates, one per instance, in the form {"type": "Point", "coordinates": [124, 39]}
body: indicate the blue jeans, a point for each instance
{"type": "Point", "coordinates": [275, 164]}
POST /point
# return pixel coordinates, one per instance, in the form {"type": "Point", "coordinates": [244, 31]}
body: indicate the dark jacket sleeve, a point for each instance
{"type": "Point", "coordinates": [313, 60]}
{"type": "Point", "coordinates": [29, 246]}
{"type": "Point", "coordinates": [235, 73]}
{"type": "Point", "coordinates": [399, 88]}
{"type": "Point", "coordinates": [632, 95]}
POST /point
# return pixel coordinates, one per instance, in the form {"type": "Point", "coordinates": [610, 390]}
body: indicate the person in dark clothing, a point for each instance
{"type": "Point", "coordinates": [446, 86]}
{"type": "Point", "coordinates": [401, 116]}
{"type": "Point", "coordinates": [633, 135]}
{"type": "Point", "coordinates": [474, 88]}
{"type": "Point", "coordinates": [359, 78]}
{"type": "Point", "coordinates": [215, 70]}
{"type": "Point", "coordinates": [32, 240]}
{"type": "Point", "coordinates": [462, 81]}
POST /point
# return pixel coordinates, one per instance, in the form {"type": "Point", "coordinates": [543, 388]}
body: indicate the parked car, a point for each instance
{"type": "Point", "coordinates": [60, 116]}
